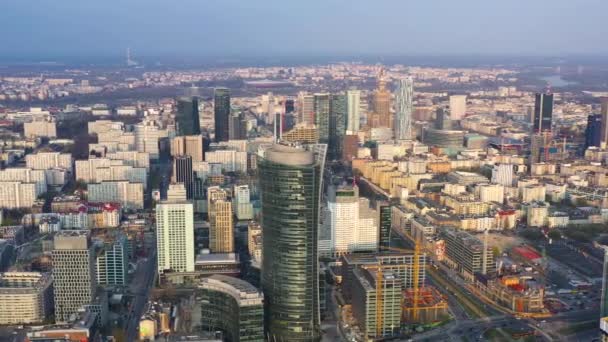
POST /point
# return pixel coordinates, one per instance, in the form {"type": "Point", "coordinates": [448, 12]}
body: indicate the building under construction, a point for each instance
{"type": "Point", "coordinates": [432, 306]}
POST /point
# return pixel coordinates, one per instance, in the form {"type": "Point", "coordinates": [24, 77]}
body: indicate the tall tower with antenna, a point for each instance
{"type": "Point", "coordinates": [130, 62]}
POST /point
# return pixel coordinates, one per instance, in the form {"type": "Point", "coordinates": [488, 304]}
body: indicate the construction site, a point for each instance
{"type": "Point", "coordinates": [431, 305]}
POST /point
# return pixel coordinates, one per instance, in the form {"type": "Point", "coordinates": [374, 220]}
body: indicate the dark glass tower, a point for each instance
{"type": "Point", "coordinates": [593, 133]}
{"type": "Point", "coordinates": [337, 124]}
{"type": "Point", "coordinates": [385, 213]}
{"type": "Point", "coordinates": [182, 173]}
{"type": "Point", "coordinates": [321, 114]}
{"type": "Point", "coordinates": [187, 120]}
{"type": "Point", "coordinates": [543, 113]}
{"type": "Point", "coordinates": [221, 107]}
{"type": "Point", "coordinates": [290, 187]}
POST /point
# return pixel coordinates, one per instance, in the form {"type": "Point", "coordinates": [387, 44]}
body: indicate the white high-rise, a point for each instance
{"type": "Point", "coordinates": [503, 174]}
{"type": "Point", "coordinates": [351, 222]}
{"type": "Point", "coordinates": [353, 98]}
{"type": "Point", "coordinates": [404, 97]}
{"type": "Point", "coordinates": [458, 106]}
{"type": "Point", "coordinates": [175, 237]}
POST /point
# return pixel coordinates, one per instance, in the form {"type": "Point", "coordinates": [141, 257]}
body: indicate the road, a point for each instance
{"type": "Point", "coordinates": [331, 330]}
{"type": "Point", "coordinates": [141, 284]}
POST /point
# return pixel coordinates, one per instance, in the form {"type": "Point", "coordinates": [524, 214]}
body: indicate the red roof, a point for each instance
{"type": "Point", "coordinates": [527, 252]}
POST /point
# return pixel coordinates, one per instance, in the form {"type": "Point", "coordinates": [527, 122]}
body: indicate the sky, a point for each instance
{"type": "Point", "coordinates": [83, 28]}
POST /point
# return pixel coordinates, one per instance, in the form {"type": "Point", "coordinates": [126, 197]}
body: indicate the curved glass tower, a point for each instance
{"type": "Point", "coordinates": [290, 184]}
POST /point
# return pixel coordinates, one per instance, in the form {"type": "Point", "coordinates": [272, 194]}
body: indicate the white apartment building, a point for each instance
{"type": "Point", "coordinates": [129, 195]}
{"type": "Point", "coordinates": [231, 160]}
{"type": "Point", "coordinates": [503, 174]}
{"type": "Point", "coordinates": [490, 192]}
{"type": "Point", "coordinates": [46, 127]}
{"type": "Point", "coordinates": [243, 208]}
{"type": "Point", "coordinates": [14, 195]}
{"type": "Point", "coordinates": [175, 237]}
{"type": "Point", "coordinates": [25, 175]}
{"type": "Point", "coordinates": [147, 135]}
{"type": "Point", "coordinates": [49, 160]}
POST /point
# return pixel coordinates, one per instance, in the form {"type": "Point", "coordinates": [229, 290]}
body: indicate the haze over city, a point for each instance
{"type": "Point", "coordinates": [39, 29]}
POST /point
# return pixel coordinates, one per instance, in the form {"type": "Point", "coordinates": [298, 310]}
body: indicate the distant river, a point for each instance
{"type": "Point", "coordinates": [557, 81]}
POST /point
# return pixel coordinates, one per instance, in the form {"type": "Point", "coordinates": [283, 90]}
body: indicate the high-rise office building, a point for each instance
{"type": "Point", "coordinates": [458, 106]}
{"type": "Point", "coordinates": [604, 114]}
{"type": "Point", "coordinates": [384, 210]}
{"type": "Point", "coordinates": [321, 112]}
{"type": "Point", "coordinates": [543, 113]}
{"type": "Point", "coordinates": [221, 231]}
{"type": "Point", "coordinates": [306, 108]}
{"type": "Point", "coordinates": [187, 120]}
{"type": "Point", "coordinates": [183, 173]}
{"type": "Point", "coordinates": [382, 319]}
{"type": "Point", "coordinates": [232, 306]}
{"type": "Point", "coordinates": [221, 110]}
{"type": "Point", "coordinates": [352, 224]}
{"type": "Point", "coordinates": [354, 110]}
{"type": "Point", "coordinates": [404, 106]}
{"type": "Point", "coordinates": [175, 236]}
{"type": "Point", "coordinates": [113, 262]}
{"type": "Point", "coordinates": [75, 283]}
{"type": "Point", "coordinates": [337, 124]}
{"type": "Point", "coordinates": [191, 145]}
{"type": "Point", "coordinates": [593, 132]}
{"type": "Point", "coordinates": [290, 187]}
{"type": "Point", "coordinates": [382, 104]}
{"type": "Point", "coordinates": [443, 120]}
{"type": "Point", "coordinates": [25, 297]}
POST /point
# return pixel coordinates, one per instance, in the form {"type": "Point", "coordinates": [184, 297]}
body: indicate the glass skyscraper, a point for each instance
{"type": "Point", "coordinates": [221, 110]}
{"type": "Point", "coordinates": [187, 120]}
{"type": "Point", "coordinates": [593, 133]}
{"type": "Point", "coordinates": [321, 114]}
{"type": "Point", "coordinates": [404, 106]}
{"type": "Point", "coordinates": [543, 113]}
{"type": "Point", "coordinates": [290, 187]}
{"type": "Point", "coordinates": [337, 124]}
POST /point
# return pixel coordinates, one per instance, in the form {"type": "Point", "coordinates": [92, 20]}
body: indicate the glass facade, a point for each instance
{"type": "Point", "coordinates": [239, 319]}
{"type": "Point", "coordinates": [593, 133]}
{"type": "Point", "coordinates": [385, 212]}
{"type": "Point", "coordinates": [543, 112]}
{"type": "Point", "coordinates": [290, 190]}
{"type": "Point", "coordinates": [321, 113]}
{"type": "Point", "coordinates": [221, 111]}
{"type": "Point", "coordinates": [187, 118]}
{"type": "Point", "coordinates": [337, 124]}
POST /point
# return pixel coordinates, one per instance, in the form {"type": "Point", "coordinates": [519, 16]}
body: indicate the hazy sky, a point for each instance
{"type": "Point", "coordinates": [40, 28]}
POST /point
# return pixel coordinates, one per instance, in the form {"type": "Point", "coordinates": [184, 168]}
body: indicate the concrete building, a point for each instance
{"type": "Point", "coordinates": [49, 160]}
{"type": "Point", "coordinates": [377, 320]}
{"type": "Point", "coordinates": [44, 127]}
{"type": "Point", "coordinates": [232, 306]}
{"type": "Point", "coordinates": [466, 253]}
{"type": "Point", "coordinates": [73, 259]}
{"type": "Point", "coordinates": [536, 214]}
{"type": "Point", "coordinates": [458, 107]}
{"type": "Point", "coordinates": [243, 208]}
{"type": "Point", "coordinates": [191, 145]}
{"type": "Point", "coordinates": [221, 230]}
{"type": "Point", "coordinates": [128, 195]}
{"type": "Point", "coordinates": [503, 174]}
{"type": "Point", "coordinates": [25, 298]}
{"type": "Point", "coordinates": [490, 192]}
{"type": "Point", "coordinates": [14, 195]}
{"type": "Point", "coordinates": [175, 237]}
{"type": "Point", "coordinates": [231, 160]}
